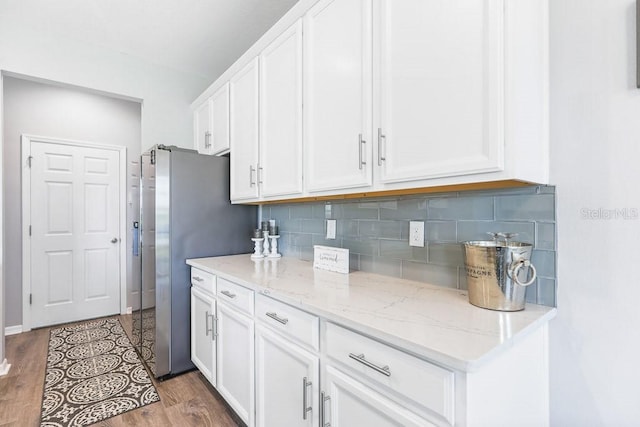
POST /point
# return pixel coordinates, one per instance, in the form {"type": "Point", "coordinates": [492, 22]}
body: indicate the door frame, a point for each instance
{"type": "Point", "coordinates": [25, 141]}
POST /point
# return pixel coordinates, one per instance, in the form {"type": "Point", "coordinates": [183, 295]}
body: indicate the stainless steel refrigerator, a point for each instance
{"type": "Point", "coordinates": [185, 212]}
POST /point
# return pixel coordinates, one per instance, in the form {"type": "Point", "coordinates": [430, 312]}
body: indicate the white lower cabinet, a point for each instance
{"type": "Point", "coordinates": [364, 379]}
{"type": "Point", "coordinates": [236, 361]}
{"type": "Point", "coordinates": [279, 366]}
{"type": "Point", "coordinates": [203, 339]}
{"type": "Point", "coordinates": [287, 382]}
{"type": "Point", "coordinates": [347, 402]}
{"type": "Point", "coordinates": [222, 339]}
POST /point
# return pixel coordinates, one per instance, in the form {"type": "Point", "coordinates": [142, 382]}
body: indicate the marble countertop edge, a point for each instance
{"type": "Point", "coordinates": [358, 301]}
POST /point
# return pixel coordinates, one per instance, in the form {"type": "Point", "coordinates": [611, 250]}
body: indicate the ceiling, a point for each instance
{"type": "Point", "coordinates": [200, 37]}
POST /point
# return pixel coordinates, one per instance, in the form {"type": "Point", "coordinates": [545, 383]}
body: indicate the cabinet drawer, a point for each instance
{"type": "Point", "coordinates": [294, 323]}
{"type": "Point", "coordinates": [424, 383]}
{"type": "Point", "coordinates": [235, 295]}
{"type": "Point", "coordinates": [203, 280]}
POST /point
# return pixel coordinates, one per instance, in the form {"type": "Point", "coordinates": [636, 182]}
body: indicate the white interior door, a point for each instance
{"type": "Point", "coordinates": [75, 233]}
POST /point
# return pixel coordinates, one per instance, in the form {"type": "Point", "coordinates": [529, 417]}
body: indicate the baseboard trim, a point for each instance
{"type": "Point", "coordinates": [4, 368]}
{"type": "Point", "coordinates": [13, 330]}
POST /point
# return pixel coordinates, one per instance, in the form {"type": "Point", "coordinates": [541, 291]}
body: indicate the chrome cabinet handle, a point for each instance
{"type": "Point", "coordinates": [260, 174]}
{"type": "Point", "coordinates": [214, 327]}
{"type": "Point", "coordinates": [381, 137]}
{"type": "Point", "coordinates": [324, 398]}
{"type": "Point", "coordinates": [305, 408]}
{"type": "Point", "coordinates": [274, 316]}
{"type": "Point", "coordinates": [198, 279]}
{"type": "Point", "coordinates": [360, 358]}
{"type": "Point", "coordinates": [207, 139]}
{"type": "Point", "coordinates": [361, 142]}
{"type": "Point", "coordinates": [206, 324]}
{"type": "Point", "coordinates": [251, 171]}
{"type": "Point", "coordinates": [228, 294]}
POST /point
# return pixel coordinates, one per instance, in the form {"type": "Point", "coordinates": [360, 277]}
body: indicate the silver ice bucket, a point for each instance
{"type": "Point", "coordinates": [498, 273]}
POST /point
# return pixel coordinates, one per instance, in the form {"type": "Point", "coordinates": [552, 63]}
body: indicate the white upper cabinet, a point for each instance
{"type": "Point", "coordinates": [202, 124]}
{"type": "Point", "coordinates": [396, 95]}
{"type": "Point", "coordinates": [244, 133]}
{"type": "Point", "coordinates": [281, 115]}
{"type": "Point", "coordinates": [337, 95]}
{"type": "Point", "coordinates": [220, 120]}
{"type": "Point", "coordinates": [211, 123]}
{"type": "Point", "coordinates": [439, 84]}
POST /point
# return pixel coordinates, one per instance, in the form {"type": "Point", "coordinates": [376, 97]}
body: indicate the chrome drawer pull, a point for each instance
{"type": "Point", "coordinates": [381, 137]}
{"type": "Point", "coordinates": [305, 408]}
{"type": "Point", "coordinates": [206, 324]}
{"type": "Point", "coordinates": [251, 171]}
{"type": "Point", "coordinates": [360, 358]}
{"type": "Point", "coordinates": [228, 294]}
{"type": "Point", "coordinates": [324, 398]}
{"type": "Point", "coordinates": [274, 316]}
{"type": "Point", "coordinates": [361, 142]}
{"type": "Point", "coordinates": [198, 279]}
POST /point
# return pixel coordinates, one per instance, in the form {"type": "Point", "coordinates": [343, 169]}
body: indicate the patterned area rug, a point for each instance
{"type": "Point", "coordinates": [93, 373]}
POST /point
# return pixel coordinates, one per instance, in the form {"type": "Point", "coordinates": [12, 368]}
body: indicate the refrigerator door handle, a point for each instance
{"type": "Point", "coordinates": [136, 238]}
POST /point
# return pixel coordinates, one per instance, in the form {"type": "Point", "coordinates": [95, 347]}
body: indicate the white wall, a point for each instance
{"type": "Point", "coordinates": [166, 94]}
{"type": "Point", "coordinates": [595, 155]}
{"type": "Point", "coordinates": [58, 112]}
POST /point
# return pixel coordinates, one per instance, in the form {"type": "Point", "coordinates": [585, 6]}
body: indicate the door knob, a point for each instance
{"type": "Point", "coordinates": [114, 240]}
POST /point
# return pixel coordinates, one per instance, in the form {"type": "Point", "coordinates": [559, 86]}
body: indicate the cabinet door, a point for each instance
{"type": "Point", "coordinates": [350, 403]}
{"type": "Point", "coordinates": [202, 128]}
{"type": "Point", "coordinates": [244, 133]}
{"type": "Point", "coordinates": [236, 361]}
{"type": "Point", "coordinates": [281, 114]}
{"type": "Point", "coordinates": [337, 105]}
{"type": "Point", "coordinates": [220, 120]}
{"type": "Point", "coordinates": [438, 84]}
{"type": "Point", "coordinates": [203, 339]}
{"type": "Point", "coordinates": [286, 382]}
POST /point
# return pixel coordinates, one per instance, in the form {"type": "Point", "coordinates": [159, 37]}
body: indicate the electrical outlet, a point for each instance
{"type": "Point", "coordinates": [331, 229]}
{"type": "Point", "coordinates": [416, 233]}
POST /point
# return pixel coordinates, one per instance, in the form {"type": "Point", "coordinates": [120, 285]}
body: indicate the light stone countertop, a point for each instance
{"type": "Point", "coordinates": [430, 321]}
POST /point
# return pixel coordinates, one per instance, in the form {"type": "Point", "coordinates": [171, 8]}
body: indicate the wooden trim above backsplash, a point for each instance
{"type": "Point", "coordinates": [488, 185]}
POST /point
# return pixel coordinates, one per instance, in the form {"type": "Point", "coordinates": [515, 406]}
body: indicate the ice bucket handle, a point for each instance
{"type": "Point", "coordinates": [515, 269]}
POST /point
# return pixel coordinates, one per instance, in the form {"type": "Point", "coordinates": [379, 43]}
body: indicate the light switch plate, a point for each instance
{"type": "Point", "coordinates": [416, 233]}
{"type": "Point", "coordinates": [331, 229]}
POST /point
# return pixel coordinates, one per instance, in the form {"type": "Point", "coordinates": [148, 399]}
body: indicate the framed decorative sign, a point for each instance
{"type": "Point", "coordinates": [331, 259]}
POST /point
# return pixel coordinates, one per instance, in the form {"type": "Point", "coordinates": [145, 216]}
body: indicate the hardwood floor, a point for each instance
{"type": "Point", "coordinates": [185, 400]}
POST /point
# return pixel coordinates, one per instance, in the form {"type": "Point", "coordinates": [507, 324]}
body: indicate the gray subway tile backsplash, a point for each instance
{"type": "Point", "coordinates": [446, 254]}
{"type": "Point", "coordinates": [400, 249]}
{"type": "Point", "coordinates": [546, 236]}
{"type": "Point", "coordinates": [382, 229]}
{"type": "Point", "coordinates": [376, 232]}
{"type": "Point", "coordinates": [477, 230]}
{"type": "Point", "coordinates": [546, 289]}
{"type": "Point", "coordinates": [301, 211]}
{"type": "Point", "coordinates": [312, 225]}
{"type": "Point", "coordinates": [440, 231]}
{"type": "Point", "coordinates": [407, 209]}
{"type": "Point", "coordinates": [458, 208]}
{"type": "Point", "coordinates": [540, 207]}
{"type": "Point", "coordinates": [381, 265]}
{"type": "Point", "coordinates": [545, 263]}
